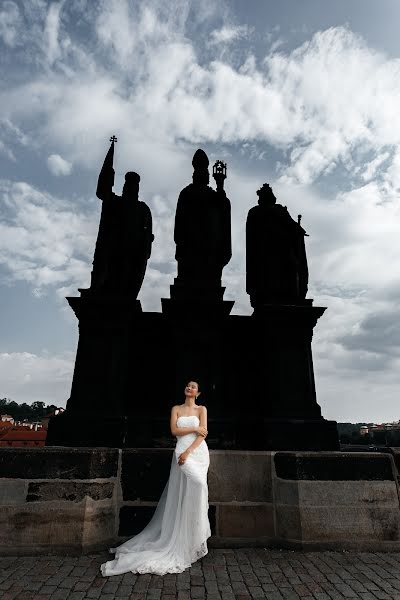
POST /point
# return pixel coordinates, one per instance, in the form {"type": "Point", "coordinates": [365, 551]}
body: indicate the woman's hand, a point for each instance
{"type": "Point", "coordinates": [183, 457]}
{"type": "Point", "coordinates": [202, 431]}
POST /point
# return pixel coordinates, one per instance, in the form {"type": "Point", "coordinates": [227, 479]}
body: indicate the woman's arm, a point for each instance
{"type": "Point", "coordinates": [203, 423]}
{"type": "Point", "coordinates": [176, 431]}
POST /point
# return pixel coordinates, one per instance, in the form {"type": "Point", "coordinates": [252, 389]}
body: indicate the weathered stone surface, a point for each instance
{"type": "Point", "coordinates": [356, 508]}
{"type": "Point", "coordinates": [331, 493]}
{"type": "Point", "coordinates": [56, 526]}
{"type": "Point", "coordinates": [245, 521]}
{"type": "Point", "coordinates": [287, 522]}
{"type": "Point", "coordinates": [286, 492]}
{"type": "Point", "coordinates": [31, 524]}
{"type": "Point", "coordinates": [350, 523]}
{"type": "Point", "coordinates": [333, 466]}
{"type": "Point", "coordinates": [99, 524]}
{"type": "Point", "coordinates": [240, 476]}
{"type": "Point", "coordinates": [145, 473]}
{"type": "Point", "coordinates": [73, 491]}
{"type": "Point", "coordinates": [382, 494]}
{"type": "Point", "coordinates": [12, 491]}
{"type": "Point", "coordinates": [58, 463]}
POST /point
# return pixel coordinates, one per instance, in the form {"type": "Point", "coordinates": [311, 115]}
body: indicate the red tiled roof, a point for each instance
{"type": "Point", "coordinates": [28, 434]}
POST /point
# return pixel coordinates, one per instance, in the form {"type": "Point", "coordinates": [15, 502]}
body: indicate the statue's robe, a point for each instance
{"type": "Point", "coordinates": [124, 240]}
{"type": "Point", "coordinates": [202, 235]}
{"type": "Point", "coordinates": [276, 263]}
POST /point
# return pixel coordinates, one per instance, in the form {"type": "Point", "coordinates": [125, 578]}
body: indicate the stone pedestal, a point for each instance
{"type": "Point", "coordinates": [256, 375]}
{"type": "Point", "coordinates": [282, 380]}
{"type": "Point", "coordinates": [121, 372]}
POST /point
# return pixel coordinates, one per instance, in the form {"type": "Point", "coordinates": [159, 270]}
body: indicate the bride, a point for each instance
{"type": "Point", "coordinates": [177, 534]}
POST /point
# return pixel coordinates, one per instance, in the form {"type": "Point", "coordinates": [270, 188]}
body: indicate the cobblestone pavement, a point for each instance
{"type": "Point", "coordinates": [242, 574]}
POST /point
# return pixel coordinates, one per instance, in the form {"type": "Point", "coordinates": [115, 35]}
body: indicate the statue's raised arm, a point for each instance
{"type": "Point", "coordinates": [105, 182]}
{"type": "Point", "coordinates": [125, 235]}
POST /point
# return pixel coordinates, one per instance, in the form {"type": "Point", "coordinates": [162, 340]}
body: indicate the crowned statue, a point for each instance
{"type": "Point", "coordinates": [276, 262]}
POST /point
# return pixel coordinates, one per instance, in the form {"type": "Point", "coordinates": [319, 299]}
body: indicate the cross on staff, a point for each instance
{"type": "Point", "coordinates": [113, 139]}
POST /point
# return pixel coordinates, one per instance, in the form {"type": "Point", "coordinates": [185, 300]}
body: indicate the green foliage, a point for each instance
{"type": "Point", "coordinates": [20, 412]}
{"type": "Point", "coordinates": [349, 428]}
{"type": "Point", "coordinates": [349, 433]}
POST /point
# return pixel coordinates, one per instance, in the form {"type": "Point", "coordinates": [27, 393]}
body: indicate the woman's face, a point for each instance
{"type": "Point", "coordinates": [192, 389]}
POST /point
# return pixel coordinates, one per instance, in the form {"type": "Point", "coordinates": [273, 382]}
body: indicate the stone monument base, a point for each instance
{"type": "Point", "coordinates": [59, 500]}
{"type": "Point", "coordinates": [299, 434]}
{"type": "Point", "coordinates": [255, 372]}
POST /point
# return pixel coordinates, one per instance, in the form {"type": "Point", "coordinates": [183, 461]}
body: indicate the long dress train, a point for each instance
{"type": "Point", "coordinates": [177, 534]}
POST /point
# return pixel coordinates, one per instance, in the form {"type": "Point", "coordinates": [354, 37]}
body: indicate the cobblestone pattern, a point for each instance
{"type": "Point", "coordinates": [243, 574]}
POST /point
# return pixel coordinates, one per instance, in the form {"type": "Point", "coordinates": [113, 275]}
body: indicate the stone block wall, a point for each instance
{"type": "Point", "coordinates": [283, 499]}
{"type": "Point", "coordinates": [337, 500]}
{"type": "Point", "coordinates": [58, 499]}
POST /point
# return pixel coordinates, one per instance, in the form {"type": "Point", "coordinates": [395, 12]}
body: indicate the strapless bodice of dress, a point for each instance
{"type": "Point", "coordinates": [184, 441]}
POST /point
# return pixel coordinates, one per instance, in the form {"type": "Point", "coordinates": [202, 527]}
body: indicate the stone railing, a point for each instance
{"type": "Point", "coordinates": [74, 500]}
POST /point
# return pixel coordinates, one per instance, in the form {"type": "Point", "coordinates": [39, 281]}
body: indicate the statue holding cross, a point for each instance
{"type": "Point", "coordinates": [125, 235]}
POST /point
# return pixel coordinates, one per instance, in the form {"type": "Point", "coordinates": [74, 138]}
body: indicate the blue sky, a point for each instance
{"type": "Point", "coordinates": [303, 94]}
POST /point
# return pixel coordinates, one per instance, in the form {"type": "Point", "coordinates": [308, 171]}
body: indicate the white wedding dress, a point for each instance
{"type": "Point", "coordinates": [177, 534]}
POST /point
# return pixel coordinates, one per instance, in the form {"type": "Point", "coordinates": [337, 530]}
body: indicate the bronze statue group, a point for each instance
{"type": "Point", "coordinates": [276, 263]}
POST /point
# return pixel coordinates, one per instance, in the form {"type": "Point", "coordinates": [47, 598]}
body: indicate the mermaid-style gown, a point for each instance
{"type": "Point", "coordinates": [177, 534]}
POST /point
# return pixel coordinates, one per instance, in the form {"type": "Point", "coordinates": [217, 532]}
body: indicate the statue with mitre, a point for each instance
{"type": "Point", "coordinates": [202, 230]}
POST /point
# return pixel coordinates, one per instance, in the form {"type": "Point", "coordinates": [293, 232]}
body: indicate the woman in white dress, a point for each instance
{"type": "Point", "coordinates": [177, 534]}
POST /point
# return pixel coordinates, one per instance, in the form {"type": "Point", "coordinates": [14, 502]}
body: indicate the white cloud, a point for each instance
{"type": "Point", "coordinates": [113, 28]}
{"type": "Point", "coordinates": [27, 377]}
{"type": "Point", "coordinates": [10, 23]}
{"type": "Point", "coordinates": [371, 168]}
{"type": "Point", "coordinates": [51, 31]}
{"type": "Point", "coordinates": [228, 34]}
{"type": "Point", "coordinates": [306, 102]}
{"type": "Point", "coordinates": [7, 151]}
{"type": "Point", "coordinates": [58, 165]}
{"type": "Point", "coordinates": [43, 240]}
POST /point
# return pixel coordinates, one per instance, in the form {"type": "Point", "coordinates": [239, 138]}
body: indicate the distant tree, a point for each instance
{"type": "Point", "coordinates": [349, 433]}
{"type": "Point", "coordinates": [345, 429]}
{"type": "Point", "coordinates": [393, 438]}
{"type": "Point", "coordinates": [379, 437]}
{"type": "Point", "coordinates": [3, 405]}
{"type": "Point", "coordinates": [24, 411]}
{"type": "Point", "coordinates": [38, 409]}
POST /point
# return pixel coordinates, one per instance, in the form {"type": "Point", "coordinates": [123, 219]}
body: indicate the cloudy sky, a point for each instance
{"type": "Point", "coordinates": [303, 94]}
